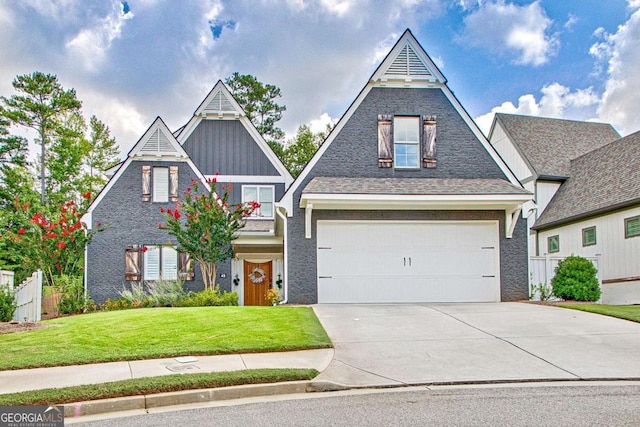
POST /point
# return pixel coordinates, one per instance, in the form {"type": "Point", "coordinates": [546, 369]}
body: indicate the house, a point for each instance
{"type": "Point", "coordinates": [538, 150]}
{"type": "Point", "coordinates": [218, 141]}
{"type": "Point", "coordinates": [586, 193]}
{"type": "Point", "coordinates": [596, 212]}
{"type": "Point", "coordinates": [406, 200]}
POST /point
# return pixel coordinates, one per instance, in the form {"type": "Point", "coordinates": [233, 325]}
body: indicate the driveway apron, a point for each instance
{"type": "Point", "coordinates": [388, 345]}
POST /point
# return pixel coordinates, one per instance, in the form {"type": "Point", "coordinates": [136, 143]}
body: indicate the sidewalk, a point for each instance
{"type": "Point", "coordinates": [66, 376]}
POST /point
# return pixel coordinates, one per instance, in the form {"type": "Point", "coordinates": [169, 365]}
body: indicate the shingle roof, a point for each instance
{"type": "Point", "coordinates": [602, 180]}
{"type": "Point", "coordinates": [549, 144]}
{"type": "Point", "coordinates": [412, 186]}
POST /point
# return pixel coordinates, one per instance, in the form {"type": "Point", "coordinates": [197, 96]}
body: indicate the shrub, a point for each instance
{"type": "Point", "coordinates": [136, 295]}
{"type": "Point", "coordinates": [73, 298]}
{"type": "Point", "coordinates": [119, 304]}
{"type": "Point", "coordinates": [7, 304]}
{"type": "Point", "coordinates": [165, 293]}
{"type": "Point", "coordinates": [576, 280]}
{"type": "Point", "coordinates": [209, 298]}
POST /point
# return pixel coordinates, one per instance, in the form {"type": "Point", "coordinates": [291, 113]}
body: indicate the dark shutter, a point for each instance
{"type": "Point", "coordinates": [133, 266]}
{"type": "Point", "coordinates": [146, 183]}
{"type": "Point", "coordinates": [185, 267]}
{"type": "Point", "coordinates": [173, 183]}
{"type": "Point", "coordinates": [385, 140]}
{"type": "Point", "coordinates": [429, 154]}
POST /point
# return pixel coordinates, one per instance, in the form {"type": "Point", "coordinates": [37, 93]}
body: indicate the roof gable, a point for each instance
{"type": "Point", "coordinates": [220, 104]}
{"type": "Point", "coordinates": [157, 141]}
{"type": "Point", "coordinates": [548, 145]}
{"type": "Point", "coordinates": [602, 180]}
{"type": "Point", "coordinates": [381, 78]}
{"type": "Point", "coordinates": [407, 62]}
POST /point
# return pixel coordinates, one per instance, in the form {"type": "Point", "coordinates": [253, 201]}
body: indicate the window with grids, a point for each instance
{"type": "Point", "coordinates": [588, 236]}
{"type": "Point", "coordinates": [263, 194]}
{"type": "Point", "coordinates": [406, 142]}
{"type": "Point", "coordinates": [553, 244]}
{"type": "Point", "coordinates": [632, 227]}
{"type": "Point", "coordinates": [160, 263]}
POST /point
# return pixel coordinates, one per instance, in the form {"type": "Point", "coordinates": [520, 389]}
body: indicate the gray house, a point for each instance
{"type": "Point", "coordinates": [406, 200]}
{"type": "Point", "coordinates": [218, 141]}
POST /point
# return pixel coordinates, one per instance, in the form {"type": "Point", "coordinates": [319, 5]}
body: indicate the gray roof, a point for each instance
{"type": "Point", "coordinates": [602, 180]}
{"type": "Point", "coordinates": [549, 144]}
{"type": "Point", "coordinates": [258, 226]}
{"type": "Point", "coordinates": [410, 186]}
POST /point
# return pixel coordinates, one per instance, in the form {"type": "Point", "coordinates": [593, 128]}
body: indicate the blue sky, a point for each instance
{"type": "Point", "coordinates": [132, 61]}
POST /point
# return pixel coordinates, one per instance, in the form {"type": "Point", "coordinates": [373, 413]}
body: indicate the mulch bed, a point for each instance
{"type": "Point", "coordinates": [11, 327]}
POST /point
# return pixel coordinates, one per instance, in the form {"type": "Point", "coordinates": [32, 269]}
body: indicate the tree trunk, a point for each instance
{"type": "Point", "coordinates": [208, 274]}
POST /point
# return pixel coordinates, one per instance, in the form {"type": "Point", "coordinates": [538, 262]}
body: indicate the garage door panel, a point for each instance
{"type": "Point", "coordinates": [378, 261]}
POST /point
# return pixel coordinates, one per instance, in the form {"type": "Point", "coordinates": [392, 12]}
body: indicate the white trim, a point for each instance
{"type": "Point", "coordinates": [272, 201]}
{"type": "Point", "coordinates": [158, 125]}
{"type": "Point", "coordinates": [238, 114]}
{"type": "Point", "coordinates": [287, 200]}
{"type": "Point", "coordinates": [250, 179]}
{"type": "Point", "coordinates": [511, 204]}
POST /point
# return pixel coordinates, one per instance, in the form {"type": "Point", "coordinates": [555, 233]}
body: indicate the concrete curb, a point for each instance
{"type": "Point", "coordinates": [95, 407]}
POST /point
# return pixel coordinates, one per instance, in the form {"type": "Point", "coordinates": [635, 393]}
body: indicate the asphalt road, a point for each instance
{"type": "Point", "coordinates": [541, 405]}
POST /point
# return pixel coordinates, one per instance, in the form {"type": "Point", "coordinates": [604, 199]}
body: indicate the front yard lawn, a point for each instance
{"type": "Point", "coordinates": [628, 312]}
{"type": "Point", "coordinates": [162, 332]}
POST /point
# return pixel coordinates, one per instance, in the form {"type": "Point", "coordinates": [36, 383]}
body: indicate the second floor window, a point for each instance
{"type": "Point", "coordinates": [262, 194]}
{"type": "Point", "coordinates": [406, 142]}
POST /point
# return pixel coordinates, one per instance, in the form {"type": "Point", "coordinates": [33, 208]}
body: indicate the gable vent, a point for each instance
{"type": "Point", "coordinates": [407, 63]}
{"type": "Point", "coordinates": [157, 143]}
{"type": "Point", "coordinates": [220, 103]}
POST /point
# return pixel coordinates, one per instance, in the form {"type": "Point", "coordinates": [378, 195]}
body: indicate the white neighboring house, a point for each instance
{"type": "Point", "coordinates": [593, 206]}
{"type": "Point", "coordinates": [538, 150]}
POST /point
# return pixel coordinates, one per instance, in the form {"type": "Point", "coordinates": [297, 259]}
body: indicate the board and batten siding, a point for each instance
{"type": "Point", "coordinates": [545, 190]}
{"type": "Point", "coordinates": [619, 256]}
{"type": "Point", "coordinates": [226, 147]}
{"type": "Point", "coordinates": [509, 153]}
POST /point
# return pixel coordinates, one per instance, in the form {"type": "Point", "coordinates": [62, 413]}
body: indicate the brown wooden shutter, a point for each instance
{"type": "Point", "coordinates": [133, 266]}
{"type": "Point", "coordinates": [146, 183]}
{"type": "Point", "coordinates": [385, 140]}
{"type": "Point", "coordinates": [185, 267]}
{"type": "Point", "coordinates": [429, 153]}
{"type": "Point", "coordinates": [173, 183]}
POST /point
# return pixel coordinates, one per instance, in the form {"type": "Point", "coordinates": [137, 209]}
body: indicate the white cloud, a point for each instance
{"type": "Point", "coordinates": [557, 101]}
{"type": "Point", "coordinates": [91, 45]}
{"type": "Point", "coordinates": [126, 121]}
{"type": "Point", "coordinates": [522, 33]}
{"type": "Point", "coordinates": [320, 124]}
{"type": "Point", "coordinates": [620, 52]}
{"type": "Point", "coordinates": [571, 21]}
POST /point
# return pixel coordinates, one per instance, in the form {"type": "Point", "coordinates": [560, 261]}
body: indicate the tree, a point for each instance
{"type": "Point", "coordinates": [42, 107]}
{"type": "Point", "coordinates": [103, 153]}
{"type": "Point", "coordinates": [205, 226]}
{"type": "Point", "coordinates": [300, 149]}
{"type": "Point", "coordinates": [258, 101]}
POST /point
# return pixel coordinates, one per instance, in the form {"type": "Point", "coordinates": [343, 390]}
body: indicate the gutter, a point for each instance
{"type": "Point", "coordinates": [285, 263]}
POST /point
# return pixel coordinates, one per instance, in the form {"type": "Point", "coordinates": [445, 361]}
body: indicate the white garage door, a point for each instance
{"type": "Point", "coordinates": [383, 261]}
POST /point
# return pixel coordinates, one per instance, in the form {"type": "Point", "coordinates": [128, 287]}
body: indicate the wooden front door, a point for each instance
{"type": "Point", "coordinates": [257, 281]}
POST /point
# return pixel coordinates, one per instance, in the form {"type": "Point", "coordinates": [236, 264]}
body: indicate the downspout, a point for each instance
{"type": "Point", "coordinates": [285, 264]}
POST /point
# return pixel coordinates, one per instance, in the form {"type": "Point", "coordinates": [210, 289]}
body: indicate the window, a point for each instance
{"type": "Point", "coordinates": [156, 262]}
{"type": "Point", "coordinates": [406, 142]}
{"type": "Point", "coordinates": [160, 262]}
{"type": "Point", "coordinates": [588, 236]}
{"type": "Point", "coordinates": [553, 244]}
{"type": "Point", "coordinates": [161, 185]}
{"type": "Point", "coordinates": [261, 194]}
{"type": "Point", "coordinates": [632, 227]}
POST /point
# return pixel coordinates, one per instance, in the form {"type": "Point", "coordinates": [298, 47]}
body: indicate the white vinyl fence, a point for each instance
{"type": "Point", "coordinates": [29, 299]}
{"type": "Point", "coordinates": [543, 268]}
{"type": "Point", "coordinates": [6, 278]}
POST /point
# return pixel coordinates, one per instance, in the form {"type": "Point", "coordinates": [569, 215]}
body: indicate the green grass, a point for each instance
{"type": "Point", "coordinates": [141, 386]}
{"type": "Point", "coordinates": [162, 332]}
{"type": "Point", "coordinates": [628, 312]}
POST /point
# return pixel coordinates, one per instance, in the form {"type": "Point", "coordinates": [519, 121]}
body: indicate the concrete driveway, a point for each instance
{"type": "Point", "coordinates": [387, 345]}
